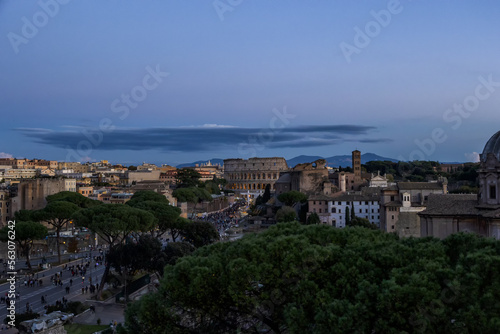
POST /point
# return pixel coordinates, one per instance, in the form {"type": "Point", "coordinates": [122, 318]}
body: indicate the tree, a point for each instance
{"type": "Point", "coordinates": [73, 197]}
{"type": "Point", "coordinates": [187, 177]}
{"type": "Point", "coordinates": [135, 256]}
{"type": "Point", "coordinates": [214, 186]}
{"type": "Point", "coordinates": [167, 215]}
{"type": "Point", "coordinates": [347, 216]}
{"type": "Point", "coordinates": [193, 195]}
{"type": "Point", "coordinates": [313, 219]}
{"type": "Point", "coordinates": [286, 214]}
{"type": "Point", "coordinates": [146, 195]}
{"type": "Point", "coordinates": [131, 167]}
{"type": "Point", "coordinates": [353, 213]}
{"type": "Point", "coordinates": [25, 233]}
{"type": "Point", "coordinates": [58, 214]}
{"type": "Point", "coordinates": [267, 194]}
{"type": "Point", "coordinates": [292, 197]}
{"type": "Point", "coordinates": [280, 281]}
{"type": "Point", "coordinates": [199, 233]}
{"type": "Point", "coordinates": [362, 222]}
{"type": "Point", "coordinates": [114, 223]}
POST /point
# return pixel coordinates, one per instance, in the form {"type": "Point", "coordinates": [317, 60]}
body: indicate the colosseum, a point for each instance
{"type": "Point", "coordinates": [253, 174]}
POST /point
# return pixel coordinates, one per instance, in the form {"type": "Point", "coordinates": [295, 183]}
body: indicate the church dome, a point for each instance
{"type": "Point", "coordinates": [492, 146]}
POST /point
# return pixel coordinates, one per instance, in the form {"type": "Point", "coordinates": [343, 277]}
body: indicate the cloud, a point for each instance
{"type": "Point", "coordinates": [472, 157]}
{"type": "Point", "coordinates": [208, 137]}
{"type": "Point", "coordinates": [4, 155]}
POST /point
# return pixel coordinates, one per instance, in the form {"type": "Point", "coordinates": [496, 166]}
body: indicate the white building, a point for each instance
{"type": "Point", "coordinates": [333, 210]}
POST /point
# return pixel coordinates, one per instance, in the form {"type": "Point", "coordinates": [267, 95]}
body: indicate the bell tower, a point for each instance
{"type": "Point", "coordinates": [356, 166]}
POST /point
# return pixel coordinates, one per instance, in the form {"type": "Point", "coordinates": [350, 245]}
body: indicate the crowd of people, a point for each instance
{"type": "Point", "coordinates": [227, 218]}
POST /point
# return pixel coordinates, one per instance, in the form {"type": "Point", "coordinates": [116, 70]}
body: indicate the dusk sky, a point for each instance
{"type": "Point", "coordinates": [178, 81]}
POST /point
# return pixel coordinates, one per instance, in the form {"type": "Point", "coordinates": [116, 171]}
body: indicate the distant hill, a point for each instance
{"type": "Point", "coordinates": [335, 161]}
{"type": "Point", "coordinates": [302, 159]}
{"type": "Point", "coordinates": [338, 160]}
{"type": "Point", "coordinates": [200, 162]}
{"type": "Point", "coordinates": [346, 160]}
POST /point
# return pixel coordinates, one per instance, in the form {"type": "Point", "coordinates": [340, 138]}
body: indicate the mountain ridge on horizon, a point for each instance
{"type": "Point", "coordinates": [333, 161]}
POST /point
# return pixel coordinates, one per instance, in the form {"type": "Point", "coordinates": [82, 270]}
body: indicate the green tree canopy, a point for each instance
{"type": "Point", "coordinates": [199, 233]}
{"type": "Point", "coordinates": [362, 222]}
{"type": "Point", "coordinates": [187, 177]}
{"type": "Point", "coordinates": [167, 217]}
{"type": "Point", "coordinates": [267, 194]}
{"type": "Point", "coordinates": [291, 197]}
{"type": "Point", "coordinates": [58, 214]}
{"type": "Point", "coordinates": [114, 223]}
{"type": "Point", "coordinates": [294, 278]}
{"type": "Point", "coordinates": [313, 219]}
{"type": "Point", "coordinates": [286, 214]}
{"type": "Point", "coordinates": [25, 233]}
{"type": "Point", "coordinates": [146, 195]}
{"type": "Point", "coordinates": [193, 195]}
{"type": "Point", "coordinates": [73, 197]}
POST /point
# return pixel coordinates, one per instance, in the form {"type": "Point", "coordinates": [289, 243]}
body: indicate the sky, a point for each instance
{"type": "Point", "coordinates": [178, 81]}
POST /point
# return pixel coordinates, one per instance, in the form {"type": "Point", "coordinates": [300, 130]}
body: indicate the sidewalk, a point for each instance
{"type": "Point", "coordinates": [106, 312]}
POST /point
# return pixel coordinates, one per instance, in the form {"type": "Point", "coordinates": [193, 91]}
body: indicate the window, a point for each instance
{"type": "Point", "coordinates": [340, 211]}
{"type": "Point", "coordinates": [319, 203]}
{"type": "Point", "coordinates": [334, 210]}
{"type": "Point", "coordinates": [393, 217]}
{"type": "Point", "coordinates": [392, 227]}
{"type": "Point", "coordinates": [392, 198]}
{"type": "Point", "coordinates": [314, 202]}
{"type": "Point", "coordinates": [319, 210]}
{"type": "Point", "coordinates": [339, 203]}
{"type": "Point", "coordinates": [366, 210]}
{"type": "Point", "coordinates": [372, 210]}
{"type": "Point", "coordinates": [493, 192]}
{"type": "Point", "coordinates": [341, 217]}
{"type": "Point", "coordinates": [360, 210]}
{"type": "Point", "coordinates": [366, 202]}
{"type": "Point", "coordinates": [373, 217]}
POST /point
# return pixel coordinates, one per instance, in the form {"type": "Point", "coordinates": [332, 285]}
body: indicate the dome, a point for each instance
{"type": "Point", "coordinates": [492, 146]}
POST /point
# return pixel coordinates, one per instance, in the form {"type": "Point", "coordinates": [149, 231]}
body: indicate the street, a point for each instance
{"type": "Point", "coordinates": [52, 293]}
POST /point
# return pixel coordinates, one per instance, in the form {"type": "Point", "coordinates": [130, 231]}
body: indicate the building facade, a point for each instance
{"type": "Point", "coordinates": [447, 214]}
{"type": "Point", "coordinates": [308, 178]}
{"type": "Point", "coordinates": [400, 205]}
{"type": "Point", "coordinates": [31, 194]}
{"type": "Point", "coordinates": [333, 209]}
{"type": "Point", "coordinates": [253, 175]}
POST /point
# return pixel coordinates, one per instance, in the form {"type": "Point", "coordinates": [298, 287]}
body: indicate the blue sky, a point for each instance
{"type": "Point", "coordinates": [178, 81]}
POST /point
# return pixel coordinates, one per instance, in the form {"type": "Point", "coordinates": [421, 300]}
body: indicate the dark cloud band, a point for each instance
{"type": "Point", "coordinates": [197, 139]}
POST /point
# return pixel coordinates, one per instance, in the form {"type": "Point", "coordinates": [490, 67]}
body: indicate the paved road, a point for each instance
{"type": "Point", "coordinates": [54, 293]}
{"type": "Point", "coordinates": [21, 262]}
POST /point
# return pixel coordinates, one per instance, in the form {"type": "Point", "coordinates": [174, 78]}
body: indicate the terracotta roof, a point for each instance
{"type": "Point", "coordinates": [452, 205]}
{"type": "Point", "coordinates": [393, 204]}
{"type": "Point", "coordinates": [419, 185]}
